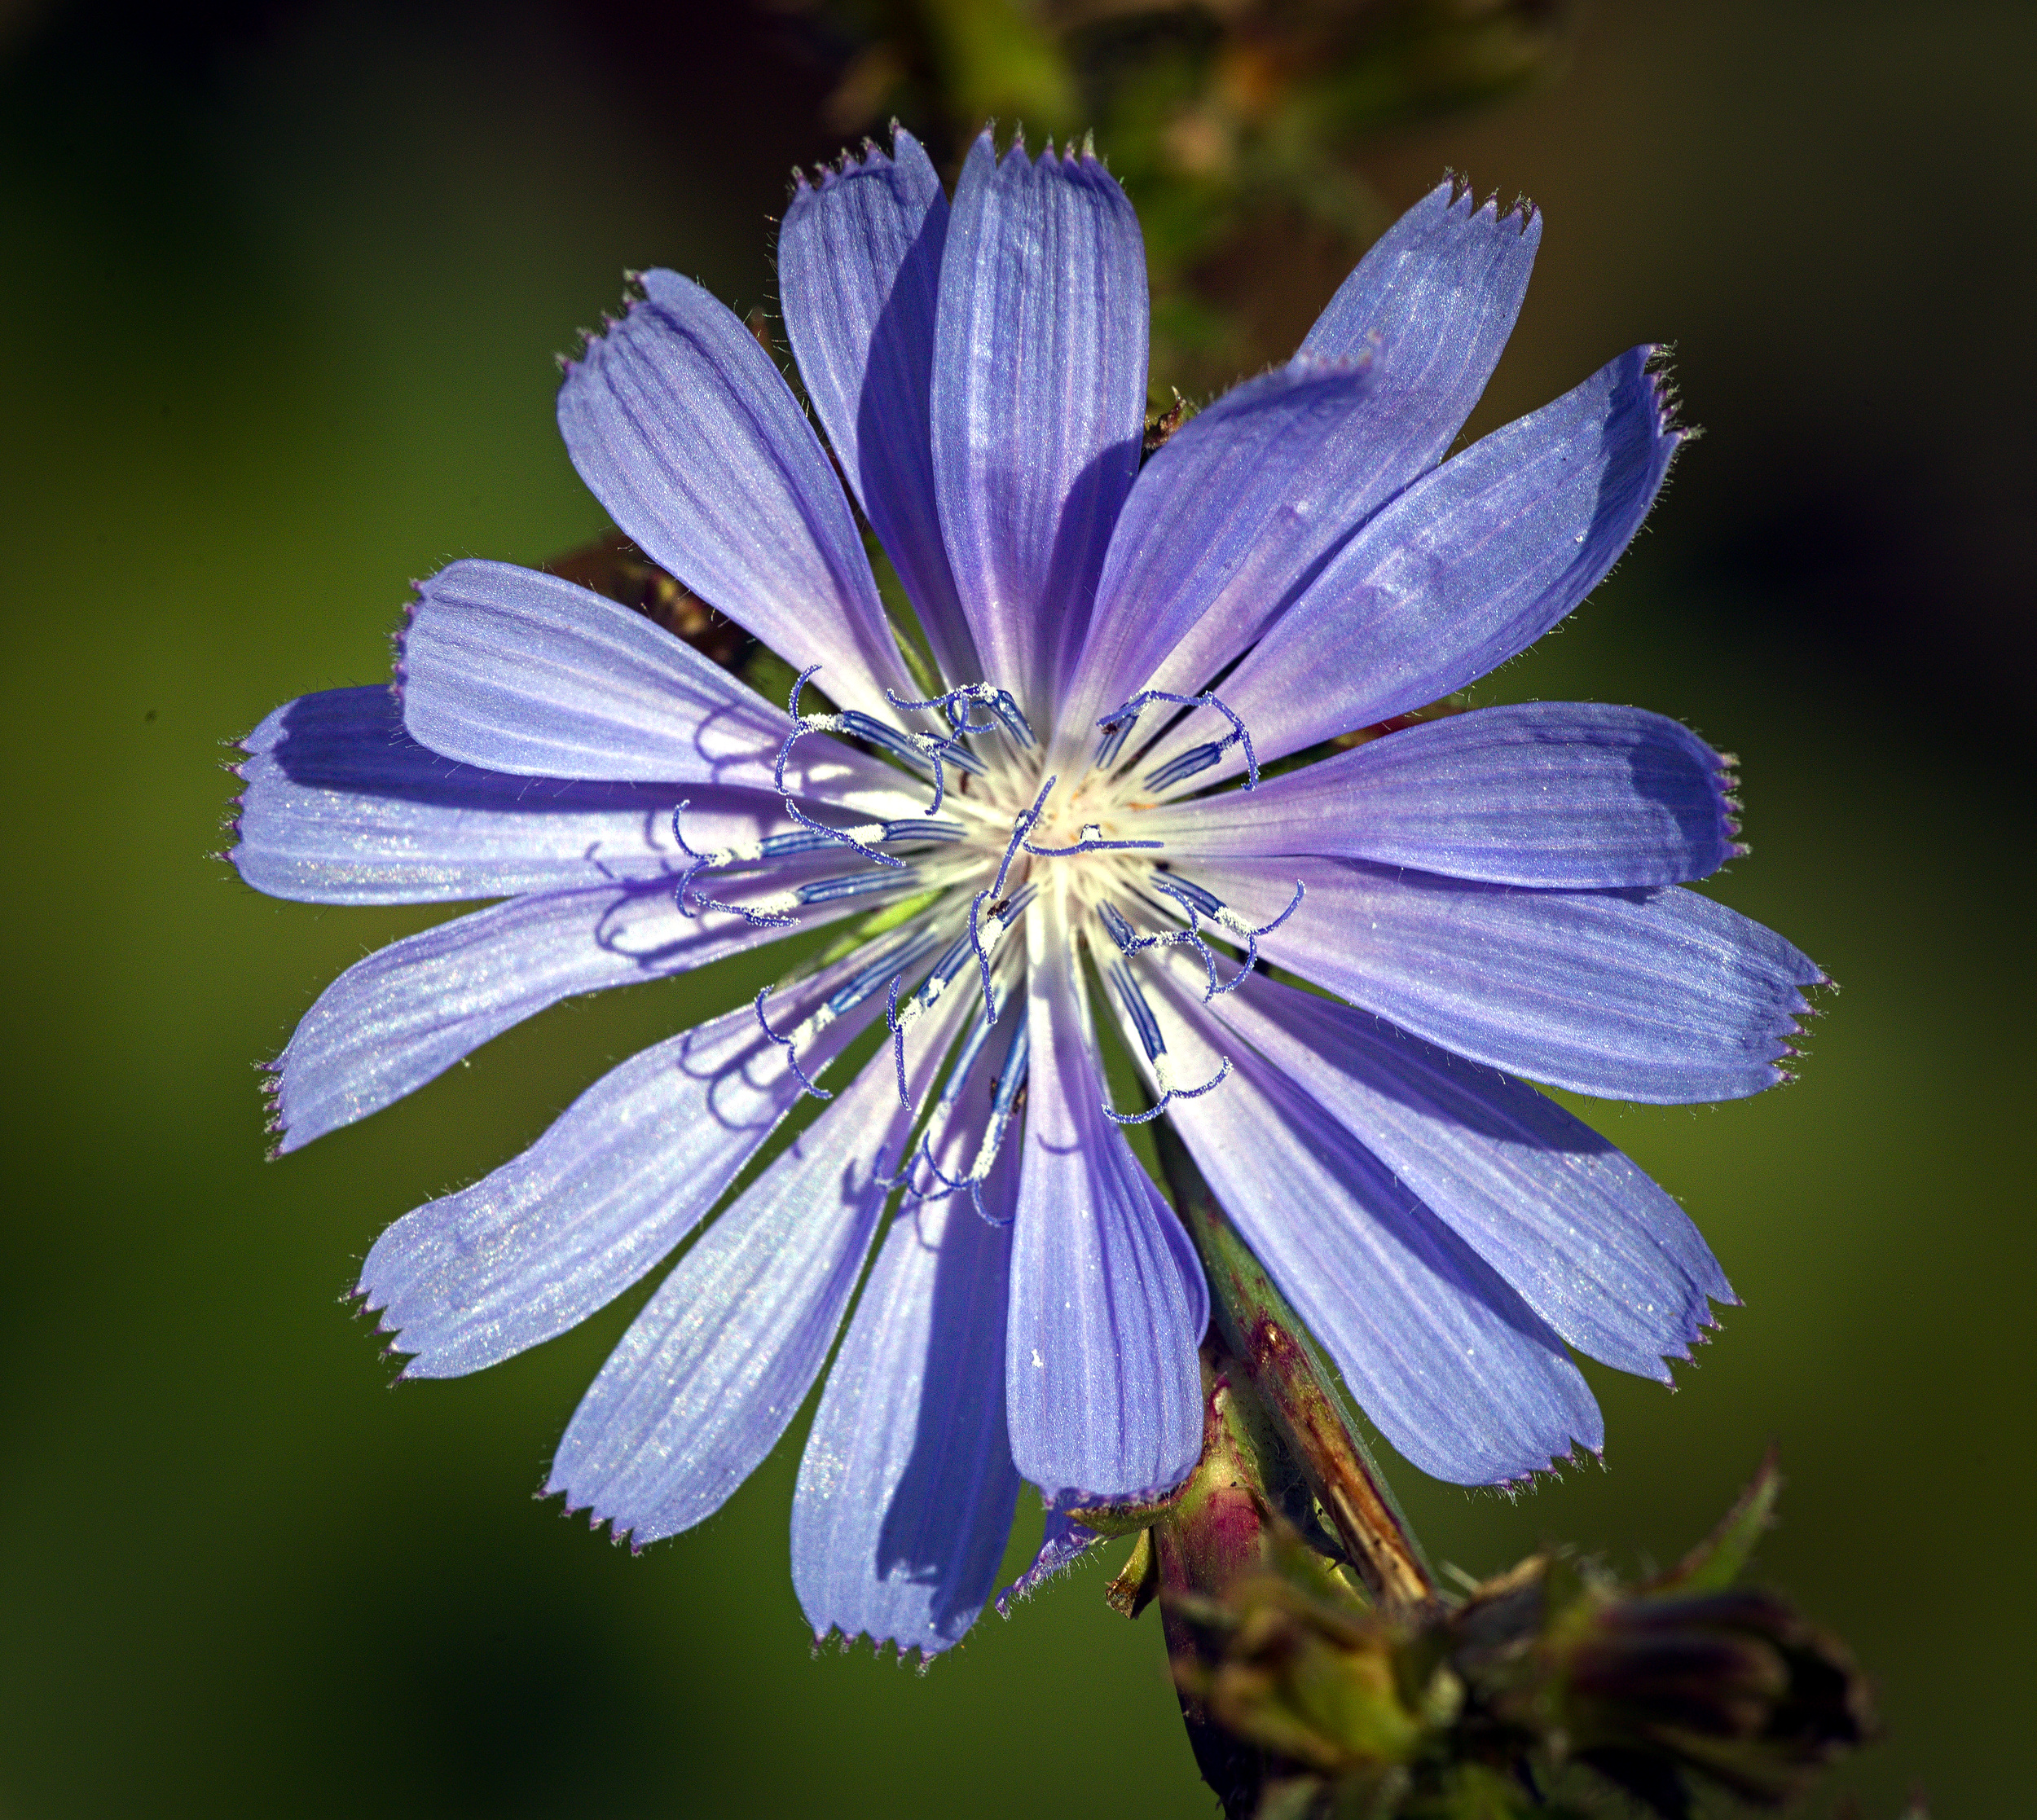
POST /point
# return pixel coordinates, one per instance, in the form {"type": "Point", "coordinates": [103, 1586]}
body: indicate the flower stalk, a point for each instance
{"type": "Point", "coordinates": [1259, 1330]}
{"type": "Point", "coordinates": [1305, 1699]}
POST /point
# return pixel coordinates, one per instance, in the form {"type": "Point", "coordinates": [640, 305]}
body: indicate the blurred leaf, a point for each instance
{"type": "Point", "coordinates": [1720, 1560]}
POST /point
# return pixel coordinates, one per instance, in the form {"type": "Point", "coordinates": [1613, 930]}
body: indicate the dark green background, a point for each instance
{"type": "Point", "coordinates": [280, 288]}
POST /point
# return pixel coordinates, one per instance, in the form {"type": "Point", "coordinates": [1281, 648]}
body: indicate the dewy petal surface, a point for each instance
{"type": "Point", "coordinates": [1659, 995]}
{"type": "Point", "coordinates": [1102, 1388]}
{"type": "Point", "coordinates": [1038, 403]}
{"type": "Point", "coordinates": [624, 1173]}
{"type": "Point", "coordinates": [1465, 569]}
{"type": "Point", "coordinates": [522, 672]}
{"type": "Point", "coordinates": [681, 426]}
{"type": "Point", "coordinates": [1597, 1250]}
{"type": "Point", "coordinates": [1454, 1368]}
{"type": "Point", "coordinates": [343, 806]}
{"type": "Point", "coordinates": [906, 1489]}
{"type": "Point", "coordinates": [1573, 795]}
{"type": "Point", "coordinates": [409, 1011]}
{"type": "Point", "coordinates": [712, 1371]}
{"type": "Point", "coordinates": [859, 282]}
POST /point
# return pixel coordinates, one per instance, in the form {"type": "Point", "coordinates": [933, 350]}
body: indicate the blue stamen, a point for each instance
{"type": "Point", "coordinates": [952, 704]}
{"type": "Point", "coordinates": [1113, 742]}
{"type": "Point", "coordinates": [1148, 1026]}
{"type": "Point", "coordinates": [1294, 903]}
{"type": "Point", "coordinates": [1014, 716]}
{"type": "Point", "coordinates": [1194, 934]}
{"type": "Point", "coordinates": [919, 749]}
{"type": "Point", "coordinates": [812, 838]}
{"type": "Point", "coordinates": [856, 884]}
{"type": "Point", "coordinates": [799, 683]}
{"type": "Point", "coordinates": [691, 906]}
{"type": "Point", "coordinates": [1175, 886]}
{"type": "Point", "coordinates": [1004, 1103]}
{"type": "Point", "coordinates": [1193, 898]}
{"type": "Point", "coordinates": [1021, 826]}
{"type": "Point", "coordinates": [922, 750]}
{"type": "Point", "coordinates": [757, 919]}
{"type": "Point", "coordinates": [1129, 941]}
{"type": "Point", "coordinates": [1006, 917]}
{"type": "Point", "coordinates": [701, 861]}
{"type": "Point", "coordinates": [898, 1041]}
{"type": "Point", "coordinates": [1197, 758]}
{"type": "Point", "coordinates": [814, 723]}
{"type": "Point", "coordinates": [982, 960]}
{"type": "Point", "coordinates": [1117, 725]}
{"type": "Point", "coordinates": [953, 1087]}
{"type": "Point", "coordinates": [944, 971]}
{"type": "Point", "coordinates": [840, 836]}
{"type": "Point", "coordinates": [798, 726]}
{"type": "Point", "coordinates": [1171, 1093]}
{"type": "Point", "coordinates": [1138, 1010]}
{"type": "Point", "coordinates": [848, 996]}
{"type": "Point", "coordinates": [785, 1043]}
{"type": "Point", "coordinates": [887, 1182]}
{"type": "Point", "coordinates": [1092, 842]}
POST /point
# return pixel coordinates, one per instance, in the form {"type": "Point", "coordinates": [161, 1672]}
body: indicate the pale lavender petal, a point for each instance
{"type": "Point", "coordinates": [859, 282]}
{"type": "Point", "coordinates": [681, 426]}
{"type": "Point", "coordinates": [1567, 795]}
{"type": "Point", "coordinates": [1594, 1246]}
{"type": "Point", "coordinates": [625, 1173]}
{"type": "Point", "coordinates": [1225, 523]}
{"type": "Point", "coordinates": [1451, 1365]}
{"type": "Point", "coordinates": [1103, 1392]}
{"type": "Point", "coordinates": [343, 806]}
{"type": "Point", "coordinates": [411, 1010]}
{"type": "Point", "coordinates": [1038, 401]}
{"type": "Point", "coordinates": [1426, 313]}
{"type": "Point", "coordinates": [1435, 300]}
{"type": "Point", "coordinates": [907, 1489]}
{"type": "Point", "coordinates": [519, 671]}
{"type": "Point", "coordinates": [1465, 569]}
{"type": "Point", "coordinates": [1658, 994]}
{"type": "Point", "coordinates": [713, 1370]}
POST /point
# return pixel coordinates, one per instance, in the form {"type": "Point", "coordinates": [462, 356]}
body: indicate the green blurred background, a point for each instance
{"type": "Point", "coordinates": [280, 287]}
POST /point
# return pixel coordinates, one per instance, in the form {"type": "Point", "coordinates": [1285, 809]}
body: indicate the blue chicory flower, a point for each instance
{"type": "Point", "coordinates": [1497, 893]}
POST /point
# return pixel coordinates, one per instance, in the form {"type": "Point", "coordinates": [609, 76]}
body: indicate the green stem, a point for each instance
{"type": "Point", "coordinates": [1259, 1329]}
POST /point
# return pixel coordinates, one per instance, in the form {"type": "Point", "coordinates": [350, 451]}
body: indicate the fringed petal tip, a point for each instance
{"type": "Point", "coordinates": [1071, 155]}
{"type": "Point", "coordinates": [1581, 1454]}
{"type": "Point", "coordinates": [917, 1655]}
{"type": "Point", "coordinates": [1060, 1547]}
{"type": "Point", "coordinates": [584, 338]}
{"type": "Point", "coordinates": [1700, 1329]}
{"type": "Point", "coordinates": [597, 1519]}
{"type": "Point", "coordinates": [274, 1122]}
{"type": "Point", "coordinates": [399, 644]}
{"type": "Point", "coordinates": [362, 1303]}
{"type": "Point", "coordinates": [1790, 1040]}
{"type": "Point", "coordinates": [1462, 191]}
{"type": "Point", "coordinates": [847, 163]}
{"type": "Point", "coordinates": [1658, 374]}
